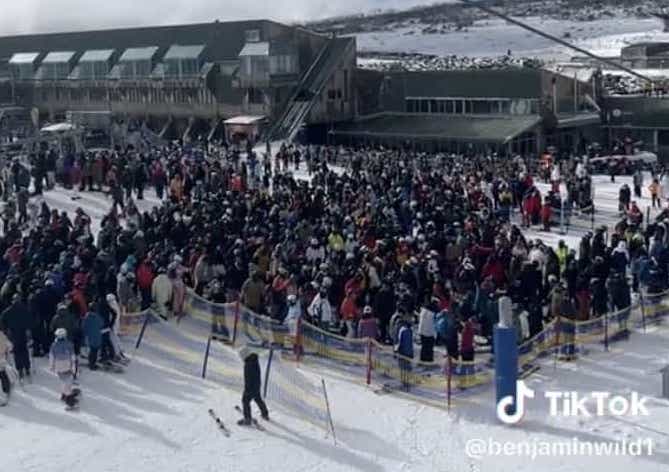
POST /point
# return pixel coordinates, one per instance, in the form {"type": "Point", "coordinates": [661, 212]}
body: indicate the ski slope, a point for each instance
{"type": "Point", "coordinates": [155, 417]}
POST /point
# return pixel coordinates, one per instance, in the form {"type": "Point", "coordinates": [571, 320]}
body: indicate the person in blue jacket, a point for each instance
{"type": "Point", "coordinates": [92, 326]}
{"type": "Point", "coordinates": [404, 349]}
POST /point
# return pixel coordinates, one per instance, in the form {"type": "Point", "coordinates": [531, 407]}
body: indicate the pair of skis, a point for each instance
{"type": "Point", "coordinates": [224, 429]}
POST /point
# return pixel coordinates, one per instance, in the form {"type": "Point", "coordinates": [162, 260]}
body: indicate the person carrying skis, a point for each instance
{"type": "Point", "coordinates": [62, 363]}
{"type": "Point", "coordinates": [252, 384]}
{"type": "Point", "coordinates": [5, 348]}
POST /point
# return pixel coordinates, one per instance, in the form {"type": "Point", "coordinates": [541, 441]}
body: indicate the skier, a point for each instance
{"type": "Point", "coordinates": [252, 384]}
{"type": "Point", "coordinates": [63, 364]}
{"type": "Point", "coordinates": [5, 348]}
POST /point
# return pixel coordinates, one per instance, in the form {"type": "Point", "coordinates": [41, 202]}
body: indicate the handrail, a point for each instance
{"type": "Point", "coordinates": [298, 88]}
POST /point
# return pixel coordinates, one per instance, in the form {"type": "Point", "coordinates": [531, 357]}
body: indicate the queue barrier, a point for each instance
{"type": "Point", "coordinates": [435, 381]}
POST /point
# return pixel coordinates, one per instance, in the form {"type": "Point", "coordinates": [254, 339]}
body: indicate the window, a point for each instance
{"type": "Point", "coordinates": [458, 106]}
{"type": "Point", "coordinates": [483, 107]}
{"type": "Point", "coordinates": [469, 108]}
{"type": "Point", "coordinates": [332, 94]}
{"type": "Point", "coordinates": [252, 36]}
{"type": "Point", "coordinates": [534, 107]}
{"type": "Point", "coordinates": [423, 106]}
{"type": "Point", "coordinates": [506, 107]}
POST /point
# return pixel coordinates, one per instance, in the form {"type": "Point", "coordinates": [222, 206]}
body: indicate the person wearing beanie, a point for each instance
{"type": "Point", "coordinates": [62, 361]}
{"type": "Point", "coordinates": [252, 385]}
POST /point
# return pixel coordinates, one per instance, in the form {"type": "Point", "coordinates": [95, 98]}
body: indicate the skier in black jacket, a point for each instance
{"type": "Point", "coordinates": [252, 384]}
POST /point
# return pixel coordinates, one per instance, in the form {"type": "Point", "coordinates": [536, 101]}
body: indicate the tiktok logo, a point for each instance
{"type": "Point", "coordinates": [522, 392]}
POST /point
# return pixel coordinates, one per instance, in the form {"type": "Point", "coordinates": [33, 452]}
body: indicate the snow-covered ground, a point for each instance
{"type": "Point", "coordinates": [495, 37]}
{"type": "Point", "coordinates": [154, 417]}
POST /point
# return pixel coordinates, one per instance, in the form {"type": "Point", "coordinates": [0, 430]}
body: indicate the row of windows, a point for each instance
{"type": "Point", "coordinates": [283, 64]}
{"type": "Point", "coordinates": [473, 107]}
{"type": "Point", "coordinates": [131, 95]}
{"type": "Point", "coordinates": [94, 70]}
{"type": "Point", "coordinates": [136, 69]}
{"type": "Point", "coordinates": [182, 67]}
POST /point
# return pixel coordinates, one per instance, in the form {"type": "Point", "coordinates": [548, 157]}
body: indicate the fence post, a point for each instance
{"type": "Point", "coordinates": [234, 329]}
{"type": "Point", "coordinates": [298, 340]}
{"type": "Point", "coordinates": [449, 377]}
{"type": "Point", "coordinates": [267, 369]}
{"type": "Point", "coordinates": [206, 358]}
{"type": "Point", "coordinates": [327, 405]}
{"type": "Point", "coordinates": [643, 309]}
{"type": "Point", "coordinates": [141, 333]}
{"type": "Point", "coordinates": [606, 331]}
{"type": "Point", "coordinates": [369, 361]}
{"type": "Point", "coordinates": [558, 327]}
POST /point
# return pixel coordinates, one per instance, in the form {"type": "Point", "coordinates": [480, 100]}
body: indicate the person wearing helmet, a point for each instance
{"type": "Point", "coordinates": [62, 362]}
{"type": "Point", "coordinates": [368, 327]}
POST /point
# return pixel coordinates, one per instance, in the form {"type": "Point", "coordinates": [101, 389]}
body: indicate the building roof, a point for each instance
{"type": "Point", "coordinates": [24, 58]}
{"type": "Point", "coordinates": [58, 57]}
{"type": "Point", "coordinates": [468, 128]}
{"type": "Point", "coordinates": [139, 54]}
{"type": "Point", "coordinates": [244, 120]}
{"type": "Point", "coordinates": [503, 83]}
{"type": "Point", "coordinates": [97, 55]}
{"type": "Point", "coordinates": [178, 51]}
{"type": "Point", "coordinates": [255, 49]}
{"type": "Point", "coordinates": [225, 38]}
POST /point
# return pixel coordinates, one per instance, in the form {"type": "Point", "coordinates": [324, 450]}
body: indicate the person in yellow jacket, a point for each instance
{"type": "Point", "coordinates": [336, 241]}
{"type": "Point", "coordinates": [562, 253]}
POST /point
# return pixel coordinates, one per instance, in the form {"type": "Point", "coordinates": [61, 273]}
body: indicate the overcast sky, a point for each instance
{"type": "Point", "coordinates": [35, 16]}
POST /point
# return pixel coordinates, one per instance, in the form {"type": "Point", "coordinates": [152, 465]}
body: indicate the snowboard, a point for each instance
{"type": "Point", "coordinates": [219, 422]}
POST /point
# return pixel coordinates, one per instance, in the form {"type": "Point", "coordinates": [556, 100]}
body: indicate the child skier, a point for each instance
{"type": "Point", "coordinates": [62, 362]}
{"type": "Point", "coordinates": [5, 348]}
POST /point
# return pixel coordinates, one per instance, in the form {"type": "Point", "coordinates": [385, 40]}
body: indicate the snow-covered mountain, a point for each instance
{"type": "Point", "coordinates": [454, 29]}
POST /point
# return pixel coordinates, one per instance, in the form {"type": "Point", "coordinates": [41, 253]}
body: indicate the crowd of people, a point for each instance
{"type": "Point", "coordinates": [428, 62]}
{"type": "Point", "coordinates": [402, 247]}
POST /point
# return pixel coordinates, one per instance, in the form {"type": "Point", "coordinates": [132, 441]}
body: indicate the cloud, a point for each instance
{"type": "Point", "coordinates": [36, 16]}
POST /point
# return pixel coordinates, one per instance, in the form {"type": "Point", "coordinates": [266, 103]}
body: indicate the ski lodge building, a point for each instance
{"type": "Point", "coordinates": [264, 81]}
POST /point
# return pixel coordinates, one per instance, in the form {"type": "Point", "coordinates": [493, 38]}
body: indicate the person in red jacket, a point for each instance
{"type": "Point", "coordinates": [349, 312]}
{"type": "Point", "coordinates": [145, 276]}
{"type": "Point", "coordinates": [546, 214]}
{"type": "Point", "coordinates": [494, 269]}
{"type": "Point", "coordinates": [467, 340]}
{"type": "Point", "coordinates": [79, 300]}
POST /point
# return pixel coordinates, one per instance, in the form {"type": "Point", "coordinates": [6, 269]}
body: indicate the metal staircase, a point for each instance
{"type": "Point", "coordinates": [308, 90]}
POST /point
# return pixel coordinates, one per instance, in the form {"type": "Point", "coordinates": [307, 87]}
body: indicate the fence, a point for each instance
{"type": "Point", "coordinates": [368, 360]}
{"type": "Point", "coordinates": [186, 345]}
